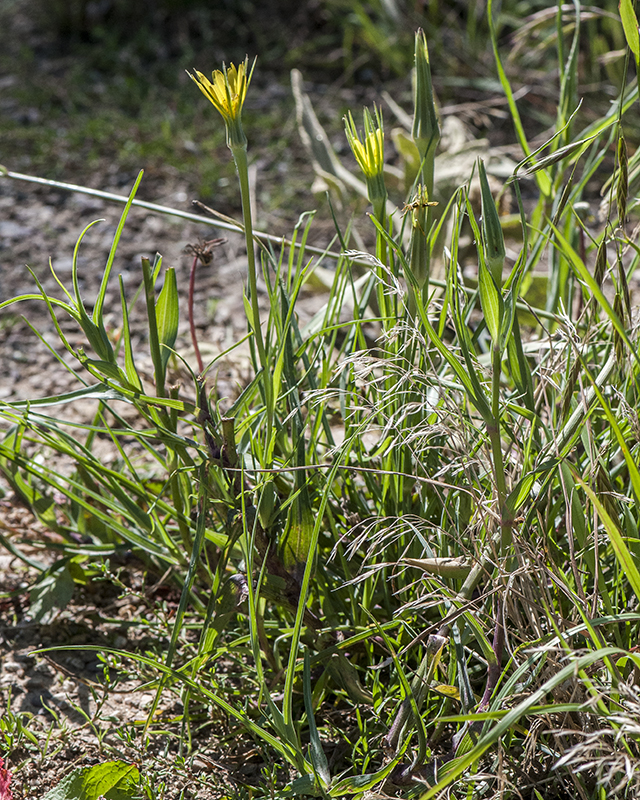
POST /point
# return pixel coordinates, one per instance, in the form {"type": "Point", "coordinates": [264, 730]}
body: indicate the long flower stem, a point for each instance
{"type": "Point", "coordinates": [506, 520]}
{"type": "Point", "coordinates": [240, 159]}
{"type": "Point", "coordinates": [192, 324]}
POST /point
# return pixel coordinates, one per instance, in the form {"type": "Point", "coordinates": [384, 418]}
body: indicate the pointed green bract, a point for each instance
{"type": "Point", "coordinates": [426, 130]}
{"type": "Point", "coordinates": [493, 238]}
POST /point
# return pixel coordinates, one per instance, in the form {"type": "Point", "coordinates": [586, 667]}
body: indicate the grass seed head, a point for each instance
{"type": "Point", "coordinates": [622, 190]}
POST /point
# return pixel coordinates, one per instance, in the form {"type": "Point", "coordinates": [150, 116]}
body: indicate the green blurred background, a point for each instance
{"type": "Point", "coordinates": [92, 90]}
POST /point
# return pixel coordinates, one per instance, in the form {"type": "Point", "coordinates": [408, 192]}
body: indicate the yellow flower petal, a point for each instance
{"type": "Point", "coordinates": [368, 152]}
{"type": "Point", "coordinates": [227, 90]}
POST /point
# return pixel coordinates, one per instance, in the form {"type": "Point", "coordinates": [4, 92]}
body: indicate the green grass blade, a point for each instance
{"type": "Point", "coordinates": [625, 559]}
{"type": "Point", "coordinates": [97, 309]}
{"type": "Point", "coordinates": [316, 752]}
{"type": "Point", "coordinates": [513, 717]}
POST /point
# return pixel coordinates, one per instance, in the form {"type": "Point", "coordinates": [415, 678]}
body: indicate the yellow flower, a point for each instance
{"type": "Point", "coordinates": [369, 153]}
{"type": "Point", "coordinates": [226, 92]}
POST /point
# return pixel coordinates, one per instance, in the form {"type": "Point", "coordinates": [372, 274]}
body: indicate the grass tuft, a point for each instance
{"type": "Point", "coordinates": [407, 553]}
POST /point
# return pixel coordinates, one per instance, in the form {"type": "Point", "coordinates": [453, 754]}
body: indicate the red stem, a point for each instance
{"type": "Point", "coordinates": [192, 326]}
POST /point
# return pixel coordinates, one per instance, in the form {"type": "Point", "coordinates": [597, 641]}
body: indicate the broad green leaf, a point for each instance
{"type": "Point", "coordinates": [490, 301]}
{"type": "Point", "coordinates": [447, 690]}
{"type": "Point", "coordinates": [53, 590]}
{"type": "Point", "coordinates": [167, 315]}
{"type": "Point", "coordinates": [300, 520]}
{"type": "Point", "coordinates": [519, 366]}
{"type": "Point", "coordinates": [630, 26]}
{"type": "Point", "coordinates": [345, 675]}
{"type": "Point", "coordinates": [520, 492]}
{"type": "Point", "coordinates": [493, 238]}
{"type": "Point", "coordinates": [304, 786]}
{"type": "Point", "coordinates": [445, 566]}
{"type": "Point", "coordinates": [112, 780]}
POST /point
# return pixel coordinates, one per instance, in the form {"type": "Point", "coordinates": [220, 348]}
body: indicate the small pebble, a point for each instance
{"type": "Point", "coordinates": [13, 666]}
{"type": "Point", "coordinates": [145, 700]}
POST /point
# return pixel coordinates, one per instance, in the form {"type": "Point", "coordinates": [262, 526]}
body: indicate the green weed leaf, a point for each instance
{"type": "Point", "coordinates": [53, 590]}
{"type": "Point", "coordinates": [112, 780]}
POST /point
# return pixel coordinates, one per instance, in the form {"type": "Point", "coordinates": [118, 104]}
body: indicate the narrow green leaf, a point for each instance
{"type": "Point", "coordinates": [154, 342]}
{"type": "Point", "coordinates": [625, 559]}
{"type": "Point", "coordinates": [97, 310]}
{"type": "Point", "coordinates": [129, 362]}
{"type": "Point", "coordinates": [560, 154]}
{"type": "Point", "coordinates": [542, 179]}
{"type": "Point", "coordinates": [316, 751]}
{"type": "Point", "coordinates": [96, 335]}
{"type": "Point", "coordinates": [104, 370]}
{"type": "Point", "coordinates": [513, 717]}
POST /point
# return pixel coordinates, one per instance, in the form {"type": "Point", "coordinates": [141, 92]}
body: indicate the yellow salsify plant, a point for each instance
{"type": "Point", "coordinates": [227, 92]}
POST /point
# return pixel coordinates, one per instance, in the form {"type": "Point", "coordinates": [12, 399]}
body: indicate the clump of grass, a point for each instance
{"type": "Point", "coordinates": [397, 557]}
